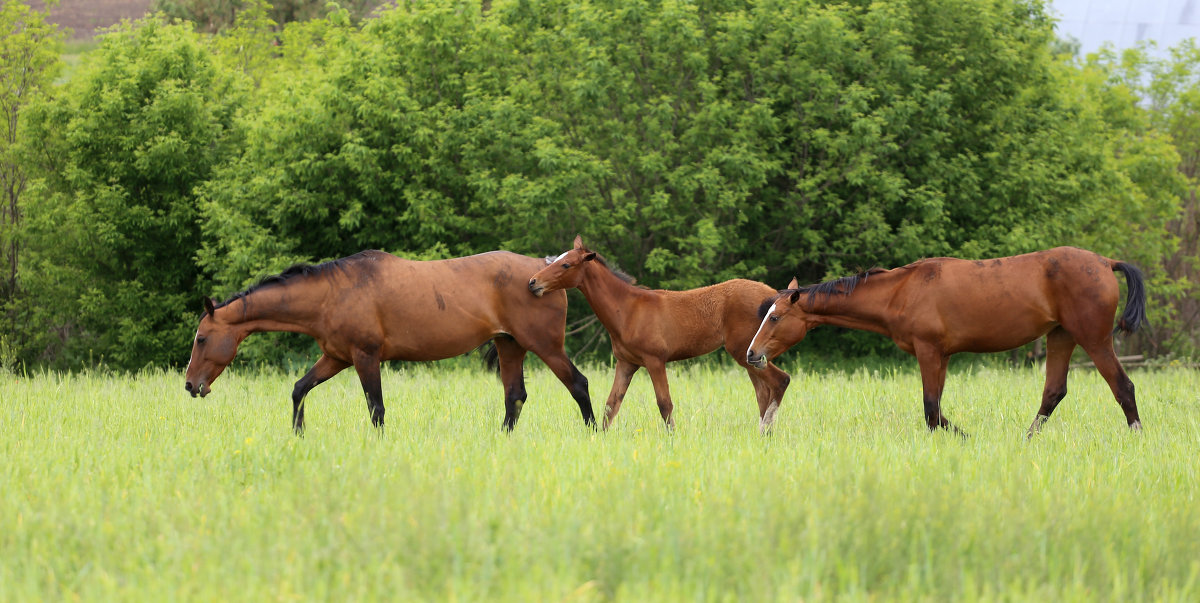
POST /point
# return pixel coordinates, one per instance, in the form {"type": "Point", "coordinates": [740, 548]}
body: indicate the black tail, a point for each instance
{"type": "Point", "coordinates": [491, 357]}
{"type": "Point", "coordinates": [1135, 302]}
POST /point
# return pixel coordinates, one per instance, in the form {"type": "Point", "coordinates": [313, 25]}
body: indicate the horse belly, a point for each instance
{"type": "Point", "coordinates": [996, 330]}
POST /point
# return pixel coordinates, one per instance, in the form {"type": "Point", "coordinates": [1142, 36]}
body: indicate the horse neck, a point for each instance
{"type": "Point", "coordinates": [865, 308]}
{"type": "Point", "coordinates": [606, 293]}
{"type": "Point", "coordinates": [279, 307]}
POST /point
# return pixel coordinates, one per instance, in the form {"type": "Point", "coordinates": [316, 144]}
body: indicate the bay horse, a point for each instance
{"type": "Point", "coordinates": [374, 306]}
{"type": "Point", "coordinates": [653, 327]}
{"type": "Point", "coordinates": [937, 307]}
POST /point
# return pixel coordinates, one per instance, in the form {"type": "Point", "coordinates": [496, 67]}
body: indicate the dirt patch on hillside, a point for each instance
{"type": "Point", "coordinates": [84, 17]}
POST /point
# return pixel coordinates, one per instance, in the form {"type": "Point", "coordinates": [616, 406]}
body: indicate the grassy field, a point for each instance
{"type": "Point", "coordinates": [124, 488]}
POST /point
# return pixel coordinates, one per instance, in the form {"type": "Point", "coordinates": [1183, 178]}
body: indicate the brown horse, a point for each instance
{"type": "Point", "coordinates": [937, 307]}
{"type": "Point", "coordinates": [374, 306]}
{"type": "Point", "coordinates": [652, 327]}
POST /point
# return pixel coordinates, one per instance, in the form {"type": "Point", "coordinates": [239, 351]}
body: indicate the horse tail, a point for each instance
{"type": "Point", "coordinates": [491, 357]}
{"type": "Point", "coordinates": [1135, 301]}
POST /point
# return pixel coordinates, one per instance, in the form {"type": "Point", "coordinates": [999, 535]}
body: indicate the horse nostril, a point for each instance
{"type": "Point", "coordinates": [188, 386]}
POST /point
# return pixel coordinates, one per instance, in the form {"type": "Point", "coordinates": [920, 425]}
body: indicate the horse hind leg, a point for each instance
{"type": "Point", "coordinates": [576, 382]}
{"type": "Point", "coordinates": [1122, 387]}
{"type": "Point", "coordinates": [367, 366]}
{"type": "Point", "coordinates": [1059, 345]}
{"type": "Point", "coordinates": [324, 369]}
{"type": "Point", "coordinates": [512, 376]}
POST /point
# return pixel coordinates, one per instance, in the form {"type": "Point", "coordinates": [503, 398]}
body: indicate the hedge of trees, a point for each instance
{"type": "Point", "coordinates": [688, 141]}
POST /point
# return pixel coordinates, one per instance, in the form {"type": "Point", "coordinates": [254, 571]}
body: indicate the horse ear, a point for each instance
{"type": "Point", "coordinates": [795, 296]}
{"type": "Point", "coordinates": [578, 242]}
{"type": "Point", "coordinates": [589, 256]}
{"type": "Point", "coordinates": [793, 284]}
{"type": "Point", "coordinates": [210, 307]}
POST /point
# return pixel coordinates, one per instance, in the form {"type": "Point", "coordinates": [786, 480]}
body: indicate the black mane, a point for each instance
{"type": "Point", "coordinates": [839, 286]}
{"type": "Point", "coordinates": [294, 271]}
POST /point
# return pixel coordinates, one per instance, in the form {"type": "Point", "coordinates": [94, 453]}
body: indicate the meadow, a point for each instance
{"type": "Point", "coordinates": [125, 488]}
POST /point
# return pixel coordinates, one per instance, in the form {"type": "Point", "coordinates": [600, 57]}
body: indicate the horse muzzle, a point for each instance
{"type": "Point", "coordinates": [758, 362]}
{"type": "Point", "coordinates": [202, 389]}
{"type": "Point", "coordinates": [535, 288]}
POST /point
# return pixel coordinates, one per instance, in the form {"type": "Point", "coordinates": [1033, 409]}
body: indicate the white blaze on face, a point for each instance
{"type": "Point", "coordinates": [563, 255]}
{"type": "Point", "coordinates": [189, 364]}
{"type": "Point", "coordinates": [766, 317]}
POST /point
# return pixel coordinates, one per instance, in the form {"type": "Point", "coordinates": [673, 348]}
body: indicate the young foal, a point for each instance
{"type": "Point", "coordinates": [374, 306]}
{"type": "Point", "coordinates": [937, 307]}
{"type": "Point", "coordinates": [652, 327]}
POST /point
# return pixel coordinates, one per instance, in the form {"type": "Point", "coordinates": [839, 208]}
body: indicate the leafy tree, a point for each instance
{"type": "Point", "coordinates": [1155, 98]}
{"type": "Point", "coordinates": [112, 221]}
{"type": "Point", "coordinates": [29, 60]}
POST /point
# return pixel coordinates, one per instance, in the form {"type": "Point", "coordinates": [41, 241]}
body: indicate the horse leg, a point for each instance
{"type": "Point", "coordinates": [324, 369]}
{"type": "Point", "coordinates": [1059, 345]}
{"type": "Point", "coordinates": [367, 366]}
{"type": "Point", "coordinates": [776, 381]}
{"type": "Point", "coordinates": [1122, 388]}
{"type": "Point", "coordinates": [662, 391]}
{"type": "Point", "coordinates": [570, 376]}
{"type": "Point", "coordinates": [621, 379]}
{"type": "Point", "coordinates": [933, 378]}
{"type": "Point", "coordinates": [512, 375]}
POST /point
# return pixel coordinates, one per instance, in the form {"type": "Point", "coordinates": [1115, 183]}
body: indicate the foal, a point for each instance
{"type": "Point", "coordinates": [653, 327]}
{"type": "Point", "coordinates": [938, 307]}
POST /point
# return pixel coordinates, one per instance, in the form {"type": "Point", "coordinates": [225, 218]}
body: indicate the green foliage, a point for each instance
{"type": "Point", "coordinates": [29, 60]}
{"type": "Point", "coordinates": [112, 221]}
{"type": "Point", "coordinates": [1156, 108]}
{"type": "Point", "coordinates": [690, 142]}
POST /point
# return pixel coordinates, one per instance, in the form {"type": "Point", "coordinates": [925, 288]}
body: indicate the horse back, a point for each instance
{"type": "Point", "coordinates": [1024, 295]}
{"type": "Point", "coordinates": [426, 310]}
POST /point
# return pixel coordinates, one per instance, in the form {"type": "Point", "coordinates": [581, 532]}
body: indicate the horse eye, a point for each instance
{"type": "Point", "coordinates": [200, 339]}
{"type": "Point", "coordinates": [566, 265]}
{"type": "Point", "coordinates": [774, 318]}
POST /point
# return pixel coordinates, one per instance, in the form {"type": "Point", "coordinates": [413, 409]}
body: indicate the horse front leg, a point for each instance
{"type": "Point", "coordinates": [367, 366]}
{"type": "Point", "coordinates": [324, 369]}
{"type": "Point", "coordinates": [621, 379]}
{"type": "Point", "coordinates": [662, 390]}
{"type": "Point", "coordinates": [933, 379]}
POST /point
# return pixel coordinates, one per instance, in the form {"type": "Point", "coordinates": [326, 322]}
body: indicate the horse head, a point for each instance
{"type": "Point", "coordinates": [213, 349]}
{"type": "Point", "coordinates": [784, 324]}
{"type": "Point", "coordinates": [562, 272]}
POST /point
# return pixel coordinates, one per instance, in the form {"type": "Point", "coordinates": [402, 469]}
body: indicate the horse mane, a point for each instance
{"type": "Point", "coordinates": [839, 286]}
{"type": "Point", "coordinates": [297, 270]}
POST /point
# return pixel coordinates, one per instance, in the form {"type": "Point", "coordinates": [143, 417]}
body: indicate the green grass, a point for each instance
{"type": "Point", "coordinates": [124, 488]}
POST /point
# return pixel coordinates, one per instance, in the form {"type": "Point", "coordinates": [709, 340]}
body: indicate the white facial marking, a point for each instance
{"type": "Point", "coordinates": [564, 254]}
{"type": "Point", "coordinates": [766, 317]}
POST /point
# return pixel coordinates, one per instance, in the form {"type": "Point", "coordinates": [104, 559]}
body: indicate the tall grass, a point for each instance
{"type": "Point", "coordinates": [124, 488]}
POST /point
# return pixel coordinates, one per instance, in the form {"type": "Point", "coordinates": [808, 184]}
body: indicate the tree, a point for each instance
{"type": "Point", "coordinates": [29, 60]}
{"type": "Point", "coordinates": [112, 221]}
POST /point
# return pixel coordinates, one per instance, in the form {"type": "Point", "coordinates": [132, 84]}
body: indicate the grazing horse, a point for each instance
{"type": "Point", "coordinates": [374, 306]}
{"type": "Point", "coordinates": [937, 307]}
{"type": "Point", "coordinates": [652, 327]}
